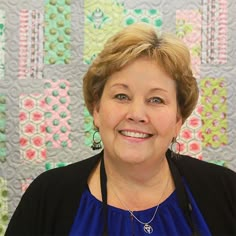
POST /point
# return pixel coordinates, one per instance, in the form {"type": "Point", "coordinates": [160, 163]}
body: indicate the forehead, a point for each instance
{"type": "Point", "coordinates": [144, 72]}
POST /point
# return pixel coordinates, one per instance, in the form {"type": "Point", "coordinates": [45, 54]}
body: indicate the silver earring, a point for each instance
{"type": "Point", "coordinates": [174, 143]}
{"type": "Point", "coordinates": [96, 144]}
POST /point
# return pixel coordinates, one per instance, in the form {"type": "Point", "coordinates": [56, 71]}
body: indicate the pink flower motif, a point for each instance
{"type": "Point", "coordinates": [42, 128]}
{"type": "Point", "coordinates": [38, 141]}
{"type": "Point", "coordinates": [30, 153]}
{"type": "Point", "coordinates": [22, 116]}
{"type": "Point", "coordinates": [44, 154]}
{"type": "Point", "coordinates": [23, 141]}
{"type": "Point", "coordinates": [29, 128]}
{"type": "Point", "coordinates": [194, 121]}
{"type": "Point", "coordinates": [200, 109]}
{"type": "Point", "coordinates": [186, 134]}
{"type": "Point", "coordinates": [42, 103]}
{"type": "Point", "coordinates": [180, 147]}
{"type": "Point", "coordinates": [199, 135]}
{"type": "Point", "coordinates": [37, 116]}
{"type": "Point", "coordinates": [200, 157]}
{"type": "Point", "coordinates": [194, 147]}
{"type": "Point", "coordinates": [29, 103]}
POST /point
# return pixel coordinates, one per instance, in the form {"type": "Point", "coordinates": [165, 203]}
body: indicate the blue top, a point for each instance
{"type": "Point", "coordinates": [169, 219]}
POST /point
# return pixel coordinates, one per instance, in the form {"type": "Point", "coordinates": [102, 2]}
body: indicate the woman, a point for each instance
{"type": "Point", "coordinates": [139, 90]}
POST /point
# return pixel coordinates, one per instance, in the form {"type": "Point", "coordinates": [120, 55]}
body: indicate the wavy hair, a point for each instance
{"type": "Point", "coordinates": [142, 40]}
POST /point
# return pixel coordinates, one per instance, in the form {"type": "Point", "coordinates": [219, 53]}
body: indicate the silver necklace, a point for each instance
{"type": "Point", "coordinates": [147, 228]}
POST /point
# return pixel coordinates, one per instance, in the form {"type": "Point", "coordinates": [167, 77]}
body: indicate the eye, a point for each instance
{"type": "Point", "coordinates": [156, 100]}
{"type": "Point", "coordinates": [121, 97]}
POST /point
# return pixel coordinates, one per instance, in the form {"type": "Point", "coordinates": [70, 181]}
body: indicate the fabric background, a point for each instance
{"type": "Point", "coordinates": [46, 47]}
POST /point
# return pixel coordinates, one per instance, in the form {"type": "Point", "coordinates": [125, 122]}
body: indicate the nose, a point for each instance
{"type": "Point", "coordinates": [137, 112]}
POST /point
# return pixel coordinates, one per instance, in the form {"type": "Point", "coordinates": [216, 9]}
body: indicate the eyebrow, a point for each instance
{"type": "Point", "coordinates": [159, 89]}
{"type": "Point", "coordinates": [127, 87]}
{"type": "Point", "coordinates": [120, 85]}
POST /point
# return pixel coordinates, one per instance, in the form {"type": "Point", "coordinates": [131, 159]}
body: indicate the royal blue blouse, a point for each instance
{"type": "Point", "coordinates": [169, 219]}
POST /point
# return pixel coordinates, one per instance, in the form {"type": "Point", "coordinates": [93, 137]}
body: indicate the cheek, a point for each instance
{"type": "Point", "coordinates": [107, 117]}
{"type": "Point", "coordinates": [165, 122]}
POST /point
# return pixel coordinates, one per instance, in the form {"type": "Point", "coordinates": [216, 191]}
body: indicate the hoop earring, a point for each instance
{"type": "Point", "coordinates": [174, 154]}
{"type": "Point", "coordinates": [96, 144]}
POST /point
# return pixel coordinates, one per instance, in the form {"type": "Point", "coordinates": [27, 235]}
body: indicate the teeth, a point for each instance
{"type": "Point", "coordinates": [135, 134]}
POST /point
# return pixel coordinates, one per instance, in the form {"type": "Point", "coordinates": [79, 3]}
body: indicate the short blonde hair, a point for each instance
{"type": "Point", "coordinates": [136, 41]}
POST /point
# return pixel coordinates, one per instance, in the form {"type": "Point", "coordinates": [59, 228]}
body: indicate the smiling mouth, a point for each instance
{"type": "Point", "coordinates": [135, 134]}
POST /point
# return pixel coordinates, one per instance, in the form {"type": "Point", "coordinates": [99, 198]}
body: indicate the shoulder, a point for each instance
{"type": "Point", "coordinates": [214, 190]}
{"type": "Point", "coordinates": [64, 178]}
{"type": "Point", "coordinates": [202, 175]}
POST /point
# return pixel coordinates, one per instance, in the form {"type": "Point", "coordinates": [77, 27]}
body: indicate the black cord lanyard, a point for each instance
{"type": "Point", "coordinates": [182, 196]}
{"type": "Point", "coordinates": [103, 182]}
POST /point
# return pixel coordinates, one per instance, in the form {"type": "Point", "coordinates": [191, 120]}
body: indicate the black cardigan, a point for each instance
{"type": "Point", "coordinates": [51, 202]}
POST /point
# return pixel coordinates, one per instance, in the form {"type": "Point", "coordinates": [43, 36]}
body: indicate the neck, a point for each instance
{"type": "Point", "coordinates": [150, 184]}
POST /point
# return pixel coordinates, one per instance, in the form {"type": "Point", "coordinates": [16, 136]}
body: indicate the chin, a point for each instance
{"type": "Point", "coordinates": [133, 159]}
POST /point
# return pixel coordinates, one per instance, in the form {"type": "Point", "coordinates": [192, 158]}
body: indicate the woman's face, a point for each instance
{"type": "Point", "coordinates": [137, 114]}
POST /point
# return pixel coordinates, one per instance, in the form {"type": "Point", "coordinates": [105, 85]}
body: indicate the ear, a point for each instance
{"type": "Point", "coordinates": [96, 117]}
{"type": "Point", "coordinates": [178, 125]}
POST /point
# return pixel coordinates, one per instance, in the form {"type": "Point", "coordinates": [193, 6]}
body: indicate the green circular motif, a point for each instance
{"type": "Point", "coordinates": [68, 2]}
{"type": "Point", "coordinates": [158, 22]}
{"type": "Point", "coordinates": [146, 20]}
{"type": "Point", "coordinates": [63, 114]}
{"type": "Point", "coordinates": [53, 2]}
{"type": "Point", "coordinates": [60, 38]}
{"type": "Point", "coordinates": [56, 137]}
{"type": "Point", "coordinates": [62, 100]}
{"type": "Point", "coordinates": [5, 217]}
{"type": "Point", "coordinates": [48, 100]}
{"type": "Point", "coordinates": [61, 164]}
{"type": "Point", "coordinates": [4, 193]}
{"type": "Point", "coordinates": [60, 9]}
{"type": "Point", "coordinates": [48, 129]}
{"type": "Point", "coordinates": [67, 60]}
{"type": "Point", "coordinates": [55, 107]}
{"type": "Point", "coordinates": [67, 31]}
{"type": "Point", "coordinates": [47, 85]}
{"type": "Point", "coordinates": [55, 93]}
{"type": "Point", "coordinates": [52, 16]}
{"type": "Point", "coordinates": [152, 11]}
{"type": "Point", "coordinates": [130, 21]}
{"type": "Point", "coordinates": [52, 46]}
{"type": "Point", "coordinates": [62, 85]}
{"type": "Point", "coordinates": [63, 129]}
{"type": "Point", "coordinates": [48, 114]}
{"type": "Point", "coordinates": [52, 31]}
{"type": "Point", "coordinates": [56, 122]}
{"type": "Point", "coordinates": [48, 144]}
{"type": "Point", "coordinates": [69, 107]}
{"type": "Point", "coordinates": [60, 53]}
{"type": "Point", "coordinates": [67, 46]}
{"type": "Point", "coordinates": [48, 166]}
{"type": "Point", "coordinates": [52, 60]}
{"type": "Point", "coordinates": [138, 11]}
{"type": "Point", "coordinates": [69, 122]}
{"type": "Point", "coordinates": [60, 23]}
{"type": "Point", "coordinates": [64, 144]}
{"type": "Point", "coordinates": [68, 16]}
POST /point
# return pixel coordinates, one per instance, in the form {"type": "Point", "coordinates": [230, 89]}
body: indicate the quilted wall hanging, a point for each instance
{"type": "Point", "coordinates": [46, 47]}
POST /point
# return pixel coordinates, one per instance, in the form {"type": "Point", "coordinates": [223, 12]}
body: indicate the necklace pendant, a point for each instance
{"type": "Point", "coordinates": [147, 229]}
